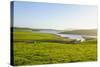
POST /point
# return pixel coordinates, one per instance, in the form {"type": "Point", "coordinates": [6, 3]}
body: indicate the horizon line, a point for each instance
{"type": "Point", "coordinates": [56, 29]}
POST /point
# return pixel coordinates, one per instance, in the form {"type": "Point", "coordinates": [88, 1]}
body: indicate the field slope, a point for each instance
{"type": "Point", "coordinates": [42, 52]}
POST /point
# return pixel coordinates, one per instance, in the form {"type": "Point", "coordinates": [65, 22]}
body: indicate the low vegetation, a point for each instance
{"type": "Point", "coordinates": [50, 51]}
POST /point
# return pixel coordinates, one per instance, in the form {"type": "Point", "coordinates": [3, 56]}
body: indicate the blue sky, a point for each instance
{"type": "Point", "coordinates": [54, 16]}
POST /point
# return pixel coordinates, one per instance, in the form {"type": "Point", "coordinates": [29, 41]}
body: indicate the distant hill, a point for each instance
{"type": "Point", "coordinates": [92, 32]}
{"type": "Point", "coordinates": [23, 29]}
{"type": "Point", "coordinates": [31, 29]}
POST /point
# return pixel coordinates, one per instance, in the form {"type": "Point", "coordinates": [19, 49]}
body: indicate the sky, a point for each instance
{"type": "Point", "coordinates": [54, 16]}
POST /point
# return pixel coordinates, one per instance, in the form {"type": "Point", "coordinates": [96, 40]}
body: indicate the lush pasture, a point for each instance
{"type": "Point", "coordinates": [50, 52]}
{"type": "Point", "coordinates": [32, 36]}
{"type": "Point", "coordinates": [20, 35]}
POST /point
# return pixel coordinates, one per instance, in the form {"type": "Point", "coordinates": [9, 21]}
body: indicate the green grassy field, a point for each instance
{"type": "Point", "coordinates": [42, 52]}
{"type": "Point", "coordinates": [27, 36]}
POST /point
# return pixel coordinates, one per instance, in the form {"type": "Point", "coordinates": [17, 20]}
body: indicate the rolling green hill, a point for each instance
{"type": "Point", "coordinates": [31, 29]}
{"type": "Point", "coordinates": [24, 29]}
{"type": "Point", "coordinates": [50, 51]}
{"type": "Point", "coordinates": [92, 32]}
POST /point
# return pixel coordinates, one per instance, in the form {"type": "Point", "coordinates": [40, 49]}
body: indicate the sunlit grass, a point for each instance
{"type": "Point", "coordinates": [24, 35]}
{"type": "Point", "coordinates": [50, 52]}
{"type": "Point", "coordinates": [47, 53]}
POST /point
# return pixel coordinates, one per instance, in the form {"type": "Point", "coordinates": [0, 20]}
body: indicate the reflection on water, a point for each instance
{"type": "Point", "coordinates": [71, 36]}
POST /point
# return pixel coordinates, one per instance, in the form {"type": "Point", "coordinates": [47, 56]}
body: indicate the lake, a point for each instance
{"type": "Point", "coordinates": [71, 36]}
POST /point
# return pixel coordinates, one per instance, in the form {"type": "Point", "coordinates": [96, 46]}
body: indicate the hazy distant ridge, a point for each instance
{"type": "Point", "coordinates": [92, 32]}
{"type": "Point", "coordinates": [32, 29]}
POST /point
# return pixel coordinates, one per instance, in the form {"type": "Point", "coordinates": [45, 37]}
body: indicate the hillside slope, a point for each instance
{"type": "Point", "coordinates": [92, 32]}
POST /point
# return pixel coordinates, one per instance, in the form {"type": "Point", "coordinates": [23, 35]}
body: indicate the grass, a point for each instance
{"type": "Point", "coordinates": [50, 52]}
{"type": "Point", "coordinates": [32, 36]}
